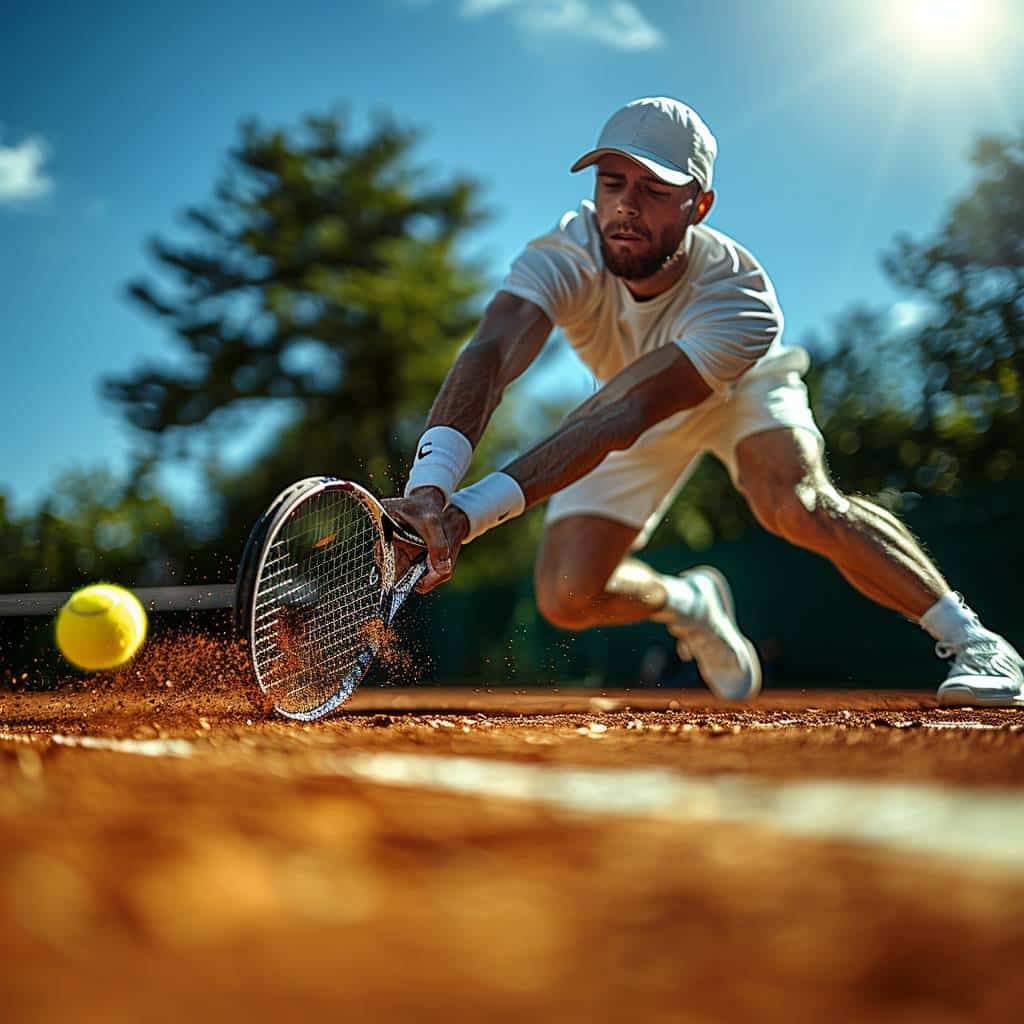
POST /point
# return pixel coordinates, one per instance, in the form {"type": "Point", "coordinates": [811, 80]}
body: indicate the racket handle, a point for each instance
{"type": "Point", "coordinates": [404, 587]}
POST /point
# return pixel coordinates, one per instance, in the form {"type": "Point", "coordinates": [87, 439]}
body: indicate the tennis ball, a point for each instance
{"type": "Point", "coordinates": [101, 626]}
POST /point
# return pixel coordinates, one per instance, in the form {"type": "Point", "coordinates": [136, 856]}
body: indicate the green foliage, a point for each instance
{"type": "Point", "coordinates": [708, 509]}
{"type": "Point", "coordinates": [91, 526]}
{"type": "Point", "coordinates": [939, 407]}
{"type": "Point", "coordinates": [327, 276]}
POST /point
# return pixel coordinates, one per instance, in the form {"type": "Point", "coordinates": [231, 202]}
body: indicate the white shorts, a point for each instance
{"type": "Point", "coordinates": [637, 486]}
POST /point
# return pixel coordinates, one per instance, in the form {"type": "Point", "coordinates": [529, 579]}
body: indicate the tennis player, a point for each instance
{"type": "Point", "coordinates": [682, 330]}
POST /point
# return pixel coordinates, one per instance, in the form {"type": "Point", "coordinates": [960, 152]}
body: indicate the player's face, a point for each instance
{"type": "Point", "coordinates": [642, 219]}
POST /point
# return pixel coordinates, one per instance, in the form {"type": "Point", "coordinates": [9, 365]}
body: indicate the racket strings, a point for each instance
{"type": "Point", "coordinates": [317, 608]}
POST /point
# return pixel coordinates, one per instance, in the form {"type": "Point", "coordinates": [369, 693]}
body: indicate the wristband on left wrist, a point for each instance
{"type": "Point", "coordinates": [490, 501]}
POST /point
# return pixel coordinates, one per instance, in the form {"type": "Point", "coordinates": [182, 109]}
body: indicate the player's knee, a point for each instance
{"type": "Point", "coordinates": [808, 513]}
{"type": "Point", "coordinates": [564, 602]}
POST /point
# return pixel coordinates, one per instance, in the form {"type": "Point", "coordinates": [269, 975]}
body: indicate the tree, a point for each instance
{"type": "Point", "coordinates": [940, 405]}
{"type": "Point", "coordinates": [92, 525]}
{"type": "Point", "coordinates": [328, 277]}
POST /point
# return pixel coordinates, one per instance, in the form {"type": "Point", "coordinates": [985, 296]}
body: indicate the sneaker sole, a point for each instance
{"type": "Point", "coordinates": [960, 695]}
{"type": "Point", "coordinates": [721, 585]}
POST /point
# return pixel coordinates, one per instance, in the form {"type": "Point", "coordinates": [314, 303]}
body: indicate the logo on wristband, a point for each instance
{"type": "Point", "coordinates": [425, 450]}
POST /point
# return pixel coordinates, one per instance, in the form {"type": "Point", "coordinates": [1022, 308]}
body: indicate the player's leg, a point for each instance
{"type": "Point", "coordinates": [585, 575]}
{"type": "Point", "coordinates": [782, 474]}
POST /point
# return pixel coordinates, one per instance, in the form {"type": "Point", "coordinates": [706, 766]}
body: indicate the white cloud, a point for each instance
{"type": "Point", "coordinates": [21, 171]}
{"type": "Point", "coordinates": [619, 25]}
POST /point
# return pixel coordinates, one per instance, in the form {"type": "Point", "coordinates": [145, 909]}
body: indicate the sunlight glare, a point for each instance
{"type": "Point", "coordinates": [944, 24]}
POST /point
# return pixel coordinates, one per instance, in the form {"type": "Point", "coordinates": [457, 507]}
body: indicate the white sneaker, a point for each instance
{"type": "Point", "coordinates": [710, 636]}
{"type": "Point", "coordinates": [986, 671]}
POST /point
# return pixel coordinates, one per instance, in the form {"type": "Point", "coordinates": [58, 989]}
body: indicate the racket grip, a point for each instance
{"type": "Point", "coordinates": [404, 587]}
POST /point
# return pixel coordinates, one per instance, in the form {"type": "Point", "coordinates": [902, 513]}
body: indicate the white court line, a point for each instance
{"type": "Point", "coordinates": [961, 725]}
{"type": "Point", "coordinates": [144, 748]}
{"type": "Point", "coordinates": [982, 825]}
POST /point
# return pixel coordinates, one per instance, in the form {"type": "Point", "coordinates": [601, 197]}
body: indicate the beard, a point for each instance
{"type": "Point", "coordinates": [635, 266]}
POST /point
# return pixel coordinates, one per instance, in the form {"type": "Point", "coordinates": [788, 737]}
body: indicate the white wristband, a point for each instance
{"type": "Point", "coordinates": [442, 458]}
{"type": "Point", "coordinates": [490, 501]}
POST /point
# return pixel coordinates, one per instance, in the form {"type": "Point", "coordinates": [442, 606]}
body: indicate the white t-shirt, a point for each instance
{"type": "Point", "coordinates": [723, 312]}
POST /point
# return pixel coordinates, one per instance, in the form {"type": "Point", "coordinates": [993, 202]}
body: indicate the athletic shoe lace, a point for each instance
{"type": "Point", "coordinates": [977, 655]}
{"type": "Point", "coordinates": [972, 652]}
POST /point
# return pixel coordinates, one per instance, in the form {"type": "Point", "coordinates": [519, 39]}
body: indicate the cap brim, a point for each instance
{"type": "Point", "coordinates": [669, 175]}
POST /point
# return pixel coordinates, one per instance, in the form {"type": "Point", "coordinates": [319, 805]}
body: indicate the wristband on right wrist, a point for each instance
{"type": "Point", "coordinates": [442, 458]}
{"type": "Point", "coordinates": [490, 501]}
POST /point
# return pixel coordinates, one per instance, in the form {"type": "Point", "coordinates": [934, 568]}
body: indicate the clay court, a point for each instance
{"type": "Point", "coordinates": [504, 855]}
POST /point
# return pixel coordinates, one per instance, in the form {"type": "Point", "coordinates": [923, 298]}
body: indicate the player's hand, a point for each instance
{"type": "Point", "coordinates": [442, 530]}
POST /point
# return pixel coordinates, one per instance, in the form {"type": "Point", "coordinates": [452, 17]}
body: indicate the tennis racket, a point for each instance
{"type": "Point", "coordinates": [317, 590]}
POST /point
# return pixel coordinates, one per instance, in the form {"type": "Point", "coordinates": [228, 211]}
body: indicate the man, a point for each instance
{"type": "Point", "coordinates": [682, 328]}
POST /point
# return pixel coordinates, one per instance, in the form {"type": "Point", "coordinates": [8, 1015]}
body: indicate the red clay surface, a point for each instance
{"type": "Point", "coordinates": [240, 883]}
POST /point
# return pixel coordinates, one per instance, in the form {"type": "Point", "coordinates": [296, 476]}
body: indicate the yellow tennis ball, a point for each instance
{"type": "Point", "coordinates": [101, 626]}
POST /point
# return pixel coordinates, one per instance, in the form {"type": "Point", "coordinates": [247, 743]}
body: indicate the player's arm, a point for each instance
{"type": "Point", "coordinates": [656, 386]}
{"type": "Point", "coordinates": [510, 335]}
{"type": "Point", "coordinates": [509, 338]}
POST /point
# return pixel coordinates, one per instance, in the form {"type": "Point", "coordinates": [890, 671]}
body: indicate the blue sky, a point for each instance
{"type": "Point", "coordinates": [839, 124]}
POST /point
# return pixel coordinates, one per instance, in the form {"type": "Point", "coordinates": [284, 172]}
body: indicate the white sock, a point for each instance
{"type": "Point", "coordinates": [681, 601]}
{"type": "Point", "coordinates": [950, 620]}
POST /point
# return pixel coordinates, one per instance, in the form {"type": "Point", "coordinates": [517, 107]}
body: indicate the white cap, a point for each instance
{"type": "Point", "coordinates": [664, 135]}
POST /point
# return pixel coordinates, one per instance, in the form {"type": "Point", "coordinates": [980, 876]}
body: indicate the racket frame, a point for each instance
{"type": "Point", "coordinates": [393, 592]}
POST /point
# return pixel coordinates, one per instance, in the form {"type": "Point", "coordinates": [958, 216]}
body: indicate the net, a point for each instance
{"type": "Point", "coordinates": [317, 615]}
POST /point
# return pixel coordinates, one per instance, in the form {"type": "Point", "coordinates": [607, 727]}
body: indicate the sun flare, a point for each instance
{"type": "Point", "coordinates": [944, 24]}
